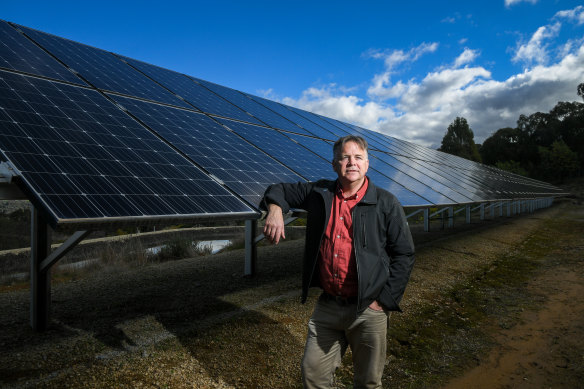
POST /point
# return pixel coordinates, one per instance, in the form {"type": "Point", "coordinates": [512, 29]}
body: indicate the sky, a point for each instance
{"type": "Point", "coordinates": [403, 68]}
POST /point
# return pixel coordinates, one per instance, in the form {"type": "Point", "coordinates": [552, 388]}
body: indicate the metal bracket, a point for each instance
{"type": "Point", "coordinates": [8, 189]}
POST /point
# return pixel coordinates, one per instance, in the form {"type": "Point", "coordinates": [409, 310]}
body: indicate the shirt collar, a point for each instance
{"type": "Point", "coordinates": [360, 193]}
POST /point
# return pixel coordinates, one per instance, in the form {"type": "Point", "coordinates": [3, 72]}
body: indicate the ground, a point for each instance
{"type": "Point", "coordinates": [546, 348]}
{"type": "Point", "coordinates": [497, 304]}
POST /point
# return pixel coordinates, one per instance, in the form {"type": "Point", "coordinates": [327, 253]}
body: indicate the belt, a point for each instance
{"type": "Point", "coordinates": [338, 299]}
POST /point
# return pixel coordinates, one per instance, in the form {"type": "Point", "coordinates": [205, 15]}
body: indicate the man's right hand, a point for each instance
{"type": "Point", "coordinates": [274, 226]}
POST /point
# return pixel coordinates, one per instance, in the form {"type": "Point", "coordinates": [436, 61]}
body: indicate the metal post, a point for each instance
{"type": "Point", "coordinates": [450, 217]}
{"type": "Point", "coordinates": [250, 247]}
{"type": "Point", "coordinates": [426, 219]}
{"type": "Point", "coordinates": [468, 214]}
{"type": "Point", "coordinates": [482, 211]}
{"type": "Point", "coordinates": [40, 279]}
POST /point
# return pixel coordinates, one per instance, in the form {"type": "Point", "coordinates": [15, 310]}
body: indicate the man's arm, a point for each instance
{"type": "Point", "coordinates": [274, 226]}
{"type": "Point", "coordinates": [401, 251]}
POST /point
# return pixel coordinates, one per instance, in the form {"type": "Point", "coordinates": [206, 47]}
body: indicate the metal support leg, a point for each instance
{"type": "Point", "coordinates": [426, 219]}
{"type": "Point", "coordinates": [40, 279]}
{"type": "Point", "coordinates": [482, 210]}
{"type": "Point", "coordinates": [467, 214]}
{"type": "Point", "coordinates": [450, 217]}
{"type": "Point", "coordinates": [250, 247]}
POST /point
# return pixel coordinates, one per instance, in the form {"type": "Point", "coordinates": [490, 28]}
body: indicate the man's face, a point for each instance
{"type": "Point", "coordinates": [351, 164]}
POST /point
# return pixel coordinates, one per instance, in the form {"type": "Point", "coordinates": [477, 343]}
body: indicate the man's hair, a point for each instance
{"type": "Point", "coordinates": [340, 143]}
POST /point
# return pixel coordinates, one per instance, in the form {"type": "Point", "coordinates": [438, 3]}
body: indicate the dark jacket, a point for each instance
{"type": "Point", "coordinates": [384, 249]}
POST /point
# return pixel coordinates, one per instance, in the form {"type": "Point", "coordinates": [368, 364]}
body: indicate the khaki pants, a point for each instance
{"type": "Point", "coordinates": [331, 329]}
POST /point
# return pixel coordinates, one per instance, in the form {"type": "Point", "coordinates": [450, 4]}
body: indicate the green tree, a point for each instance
{"type": "Point", "coordinates": [581, 90]}
{"type": "Point", "coordinates": [512, 166]}
{"type": "Point", "coordinates": [558, 161]}
{"type": "Point", "coordinates": [503, 145]}
{"type": "Point", "coordinates": [459, 140]}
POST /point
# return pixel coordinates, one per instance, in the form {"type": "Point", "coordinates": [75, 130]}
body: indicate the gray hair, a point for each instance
{"type": "Point", "coordinates": [340, 143]}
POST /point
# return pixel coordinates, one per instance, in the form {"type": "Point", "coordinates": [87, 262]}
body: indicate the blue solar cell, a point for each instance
{"type": "Point", "coordinates": [241, 166]}
{"type": "Point", "coordinates": [260, 112]}
{"type": "Point", "coordinates": [449, 189]}
{"type": "Point", "coordinates": [318, 120]}
{"type": "Point", "coordinates": [310, 128]}
{"type": "Point", "coordinates": [19, 53]}
{"type": "Point", "coordinates": [103, 69]}
{"type": "Point", "coordinates": [195, 94]}
{"type": "Point", "coordinates": [281, 147]}
{"type": "Point", "coordinates": [80, 167]}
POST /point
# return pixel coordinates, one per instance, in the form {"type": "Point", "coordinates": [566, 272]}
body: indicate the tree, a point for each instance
{"type": "Point", "coordinates": [581, 90]}
{"type": "Point", "coordinates": [459, 140]}
{"type": "Point", "coordinates": [558, 161]}
{"type": "Point", "coordinates": [512, 166]}
{"type": "Point", "coordinates": [502, 146]}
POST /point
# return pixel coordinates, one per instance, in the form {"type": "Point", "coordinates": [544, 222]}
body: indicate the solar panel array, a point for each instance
{"type": "Point", "coordinates": [97, 136]}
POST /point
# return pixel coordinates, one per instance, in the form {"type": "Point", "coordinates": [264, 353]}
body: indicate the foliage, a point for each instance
{"type": "Point", "coordinates": [558, 160]}
{"type": "Point", "coordinates": [547, 146]}
{"type": "Point", "coordinates": [512, 166]}
{"type": "Point", "coordinates": [459, 140]}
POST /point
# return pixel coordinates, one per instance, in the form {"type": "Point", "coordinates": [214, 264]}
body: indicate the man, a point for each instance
{"type": "Point", "coordinates": [359, 250]}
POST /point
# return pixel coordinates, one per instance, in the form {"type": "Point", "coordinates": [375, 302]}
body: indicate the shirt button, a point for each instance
{"type": "Point", "coordinates": [338, 236]}
{"type": "Point", "coordinates": [336, 255]}
{"type": "Point", "coordinates": [341, 218]}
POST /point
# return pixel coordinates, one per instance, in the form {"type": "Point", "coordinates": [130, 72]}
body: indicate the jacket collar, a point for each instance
{"type": "Point", "coordinates": [369, 198]}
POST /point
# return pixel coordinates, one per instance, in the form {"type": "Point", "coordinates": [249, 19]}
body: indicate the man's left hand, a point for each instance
{"type": "Point", "coordinates": [376, 306]}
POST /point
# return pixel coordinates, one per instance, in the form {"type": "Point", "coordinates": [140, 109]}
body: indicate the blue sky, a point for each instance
{"type": "Point", "coordinates": [405, 68]}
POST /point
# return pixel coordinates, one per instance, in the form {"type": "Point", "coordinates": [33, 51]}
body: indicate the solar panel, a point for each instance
{"type": "Point", "coordinates": [309, 165]}
{"type": "Point", "coordinates": [262, 113]}
{"type": "Point", "coordinates": [310, 128]}
{"type": "Point", "coordinates": [84, 158]}
{"type": "Point", "coordinates": [241, 166]}
{"type": "Point", "coordinates": [451, 192]}
{"type": "Point", "coordinates": [19, 53]}
{"type": "Point", "coordinates": [195, 94]}
{"type": "Point", "coordinates": [102, 69]}
{"type": "Point", "coordinates": [182, 146]}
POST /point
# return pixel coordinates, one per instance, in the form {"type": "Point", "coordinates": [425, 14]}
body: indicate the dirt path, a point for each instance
{"type": "Point", "coordinates": [546, 350]}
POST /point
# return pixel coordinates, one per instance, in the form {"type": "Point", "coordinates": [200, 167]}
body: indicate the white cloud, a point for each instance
{"type": "Point", "coordinates": [381, 87]}
{"type": "Point", "coordinates": [421, 110]}
{"type": "Point", "coordinates": [466, 57]}
{"type": "Point", "coordinates": [328, 101]}
{"type": "Point", "coordinates": [509, 3]}
{"type": "Point", "coordinates": [575, 15]}
{"type": "Point", "coordinates": [536, 50]}
{"type": "Point", "coordinates": [424, 109]}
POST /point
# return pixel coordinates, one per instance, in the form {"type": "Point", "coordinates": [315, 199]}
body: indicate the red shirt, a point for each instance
{"type": "Point", "coordinates": [338, 268]}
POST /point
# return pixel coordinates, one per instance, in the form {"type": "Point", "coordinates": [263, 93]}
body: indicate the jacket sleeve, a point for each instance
{"type": "Point", "coordinates": [401, 252]}
{"type": "Point", "coordinates": [286, 195]}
